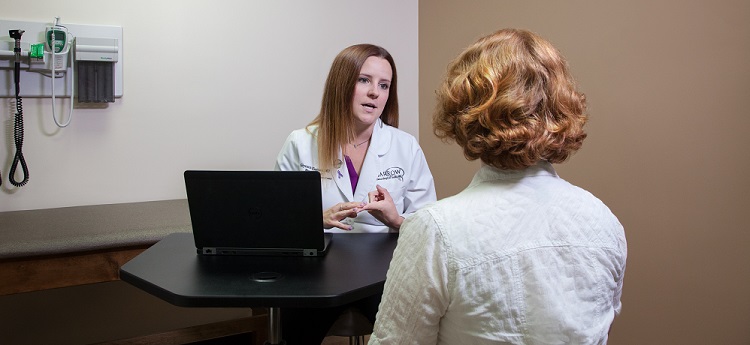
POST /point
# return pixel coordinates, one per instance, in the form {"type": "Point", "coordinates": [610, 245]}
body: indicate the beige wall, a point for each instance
{"type": "Point", "coordinates": [667, 83]}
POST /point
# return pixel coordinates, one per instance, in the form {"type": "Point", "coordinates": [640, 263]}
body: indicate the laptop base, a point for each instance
{"type": "Point", "coordinates": [328, 237]}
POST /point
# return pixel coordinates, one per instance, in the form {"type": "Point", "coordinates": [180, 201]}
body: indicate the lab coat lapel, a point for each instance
{"type": "Point", "coordinates": [341, 177]}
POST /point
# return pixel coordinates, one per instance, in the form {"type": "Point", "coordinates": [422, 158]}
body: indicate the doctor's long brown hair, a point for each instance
{"type": "Point", "coordinates": [335, 120]}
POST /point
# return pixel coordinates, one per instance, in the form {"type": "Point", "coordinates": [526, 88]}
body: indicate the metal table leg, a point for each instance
{"type": "Point", "coordinates": [274, 327]}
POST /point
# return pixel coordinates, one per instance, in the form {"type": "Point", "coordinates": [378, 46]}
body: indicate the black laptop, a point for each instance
{"type": "Point", "coordinates": [277, 213]}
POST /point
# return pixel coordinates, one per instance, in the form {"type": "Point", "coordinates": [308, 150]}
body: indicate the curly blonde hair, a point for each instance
{"type": "Point", "coordinates": [510, 100]}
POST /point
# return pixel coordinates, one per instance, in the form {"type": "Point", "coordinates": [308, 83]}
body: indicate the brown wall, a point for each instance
{"type": "Point", "coordinates": [667, 84]}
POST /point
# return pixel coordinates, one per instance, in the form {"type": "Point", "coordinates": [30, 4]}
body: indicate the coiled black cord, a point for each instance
{"type": "Point", "coordinates": [18, 135]}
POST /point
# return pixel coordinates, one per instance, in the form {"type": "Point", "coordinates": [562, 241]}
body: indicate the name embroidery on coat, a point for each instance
{"type": "Point", "coordinates": [391, 173]}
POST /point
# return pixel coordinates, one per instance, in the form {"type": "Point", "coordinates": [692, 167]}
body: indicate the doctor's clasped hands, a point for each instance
{"type": "Point", "coordinates": [380, 206]}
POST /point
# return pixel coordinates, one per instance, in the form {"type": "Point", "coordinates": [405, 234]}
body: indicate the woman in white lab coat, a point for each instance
{"type": "Point", "coordinates": [355, 134]}
{"type": "Point", "coordinates": [373, 175]}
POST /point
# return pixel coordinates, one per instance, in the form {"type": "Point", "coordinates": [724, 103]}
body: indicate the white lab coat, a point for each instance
{"type": "Point", "coordinates": [394, 160]}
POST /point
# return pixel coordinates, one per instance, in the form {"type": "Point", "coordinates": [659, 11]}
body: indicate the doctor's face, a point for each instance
{"type": "Point", "coordinates": [371, 91]}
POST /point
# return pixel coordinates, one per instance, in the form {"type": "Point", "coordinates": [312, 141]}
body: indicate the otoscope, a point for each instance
{"type": "Point", "coordinates": [18, 126]}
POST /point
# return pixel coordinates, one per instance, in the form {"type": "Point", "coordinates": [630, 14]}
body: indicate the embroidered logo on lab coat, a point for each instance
{"type": "Point", "coordinates": [391, 173]}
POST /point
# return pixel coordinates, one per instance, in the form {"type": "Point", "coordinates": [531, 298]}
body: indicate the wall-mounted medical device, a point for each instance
{"type": "Point", "coordinates": [99, 46]}
{"type": "Point", "coordinates": [57, 42]}
{"type": "Point", "coordinates": [46, 60]}
{"type": "Point", "coordinates": [96, 58]}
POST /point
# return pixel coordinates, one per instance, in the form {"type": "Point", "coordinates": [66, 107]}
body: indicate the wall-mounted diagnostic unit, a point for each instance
{"type": "Point", "coordinates": [57, 60]}
{"type": "Point", "coordinates": [87, 55]}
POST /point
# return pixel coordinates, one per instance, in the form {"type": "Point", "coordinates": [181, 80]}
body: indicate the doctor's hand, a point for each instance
{"type": "Point", "coordinates": [333, 216]}
{"type": "Point", "coordinates": [382, 207]}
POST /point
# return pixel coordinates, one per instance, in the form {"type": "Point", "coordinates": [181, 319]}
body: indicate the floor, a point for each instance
{"type": "Point", "coordinates": [339, 340]}
{"type": "Point", "coordinates": [245, 338]}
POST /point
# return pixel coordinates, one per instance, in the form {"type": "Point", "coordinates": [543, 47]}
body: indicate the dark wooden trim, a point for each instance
{"type": "Point", "coordinates": [256, 325]}
{"type": "Point", "coordinates": [48, 272]}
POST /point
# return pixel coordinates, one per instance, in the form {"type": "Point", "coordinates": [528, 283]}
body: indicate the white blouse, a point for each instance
{"type": "Point", "coordinates": [518, 257]}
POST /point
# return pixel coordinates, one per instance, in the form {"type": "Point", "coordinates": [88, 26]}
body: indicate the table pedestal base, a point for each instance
{"type": "Point", "coordinates": [274, 327]}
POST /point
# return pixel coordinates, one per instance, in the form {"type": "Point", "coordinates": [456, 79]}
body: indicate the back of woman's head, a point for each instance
{"type": "Point", "coordinates": [510, 100]}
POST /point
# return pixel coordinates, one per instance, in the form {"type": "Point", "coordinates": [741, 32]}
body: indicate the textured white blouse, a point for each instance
{"type": "Point", "coordinates": [518, 257]}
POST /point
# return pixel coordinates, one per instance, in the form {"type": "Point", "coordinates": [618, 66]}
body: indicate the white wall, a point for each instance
{"type": "Point", "coordinates": [207, 85]}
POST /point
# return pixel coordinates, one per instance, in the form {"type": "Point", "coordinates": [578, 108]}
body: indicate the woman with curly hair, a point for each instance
{"type": "Point", "coordinates": [520, 256]}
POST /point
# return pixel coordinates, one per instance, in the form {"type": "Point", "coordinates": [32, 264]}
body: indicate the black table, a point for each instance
{"type": "Point", "coordinates": [354, 268]}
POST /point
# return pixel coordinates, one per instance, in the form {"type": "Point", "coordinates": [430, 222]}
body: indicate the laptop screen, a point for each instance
{"type": "Point", "coordinates": [247, 210]}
